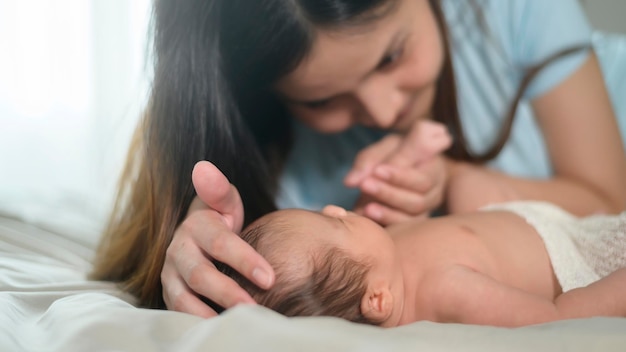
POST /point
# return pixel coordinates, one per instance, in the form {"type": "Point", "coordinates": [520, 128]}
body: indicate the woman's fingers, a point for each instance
{"type": "Point", "coordinates": [201, 279]}
{"type": "Point", "coordinates": [231, 250]}
{"type": "Point", "coordinates": [416, 179]}
{"type": "Point", "coordinates": [402, 177]}
{"type": "Point", "coordinates": [180, 256]}
{"type": "Point", "coordinates": [369, 158]}
{"type": "Point", "coordinates": [388, 216]}
{"type": "Point", "coordinates": [209, 233]}
{"type": "Point", "coordinates": [409, 191]}
{"type": "Point", "coordinates": [425, 140]}
{"type": "Point", "coordinates": [214, 190]}
{"type": "Point", "coordinates": [206, 280]}
{"type": "Point", "coordinates": [186, 259]}
{"type": "Point", "coordinates": [179, 297]}
{"type": "Point", "coordinates": [407, 201]}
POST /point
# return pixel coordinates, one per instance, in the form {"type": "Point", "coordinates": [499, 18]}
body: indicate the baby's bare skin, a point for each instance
{"type": "Point", "coordinates": [491, 268]}
{"type": "Point", "coordinates": [487, 268]}
{"type": "Point", "coordinates": [499, 244]}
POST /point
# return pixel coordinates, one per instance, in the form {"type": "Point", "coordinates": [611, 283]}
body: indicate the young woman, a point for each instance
{"type": "Point", "coordinates": [297, 102]}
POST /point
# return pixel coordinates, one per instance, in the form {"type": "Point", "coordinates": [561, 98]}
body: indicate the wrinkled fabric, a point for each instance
{"type": "Point", "coordinates": [582, 250]}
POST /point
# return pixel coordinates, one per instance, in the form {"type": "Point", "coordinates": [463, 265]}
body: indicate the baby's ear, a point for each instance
{"type": "Point", "coordinates": [377, 304]}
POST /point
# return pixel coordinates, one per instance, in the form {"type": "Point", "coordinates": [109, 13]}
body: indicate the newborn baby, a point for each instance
{"type": "Point", "coordinates": [508, 265]}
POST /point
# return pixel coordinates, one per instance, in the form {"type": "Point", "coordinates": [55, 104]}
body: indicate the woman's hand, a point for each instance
{"type": "Point", "coordinates": [402, 177]}
{"type": "Point", "coordinates": [209, 232]}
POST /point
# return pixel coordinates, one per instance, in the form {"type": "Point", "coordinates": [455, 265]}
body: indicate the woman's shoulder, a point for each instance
{"type": "Point", "coordinates": [521, 22]}
{"type": "Point", "coordinates": [517, 35]}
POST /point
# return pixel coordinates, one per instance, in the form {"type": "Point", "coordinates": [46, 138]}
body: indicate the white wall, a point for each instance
{"type": "Point", "coordinates": [73, 80]}
{"type": "Point", "coordinates": [608, 15]}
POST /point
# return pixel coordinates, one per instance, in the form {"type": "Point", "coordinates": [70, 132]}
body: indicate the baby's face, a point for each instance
{"type": "Point", "coordinates": [295, 235]}
{"type": "Point", "coordinates": [336, 227]}
{"type": "Point", "coordinates": [355, 233]}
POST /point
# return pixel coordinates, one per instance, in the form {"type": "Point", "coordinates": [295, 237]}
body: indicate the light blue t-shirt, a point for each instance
{"type": "Point", "coordinates": [488, 70]}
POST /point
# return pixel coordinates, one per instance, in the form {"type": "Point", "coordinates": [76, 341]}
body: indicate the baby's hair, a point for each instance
{"type": "Point", "coordinates": [332, 285]}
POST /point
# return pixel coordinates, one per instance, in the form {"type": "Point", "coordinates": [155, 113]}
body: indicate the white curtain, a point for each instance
{"type": "Point", "coordinates": [73, 80]}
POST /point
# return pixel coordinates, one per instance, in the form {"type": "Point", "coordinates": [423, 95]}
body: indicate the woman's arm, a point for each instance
{"type": "Point", "coordinates": [585, 147]}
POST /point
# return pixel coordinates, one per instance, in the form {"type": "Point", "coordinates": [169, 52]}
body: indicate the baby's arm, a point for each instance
{"type": "Point", "coordinates": [463, 295]}
{"type": "Point", "coordinates": [605, 297]}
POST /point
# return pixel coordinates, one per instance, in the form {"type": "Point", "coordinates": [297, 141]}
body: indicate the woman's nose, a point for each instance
{"type": "Point", "coordinates": [381, 102]}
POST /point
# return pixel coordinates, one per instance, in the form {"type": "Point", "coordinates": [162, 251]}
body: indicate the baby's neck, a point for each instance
{"type": "Point", "coordinates": [418, 263]}
{"type": "Point", "coordinates": [406, 305]}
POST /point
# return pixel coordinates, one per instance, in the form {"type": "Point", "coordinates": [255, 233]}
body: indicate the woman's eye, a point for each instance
{"type": "Point", "coordinates": [390, 59]}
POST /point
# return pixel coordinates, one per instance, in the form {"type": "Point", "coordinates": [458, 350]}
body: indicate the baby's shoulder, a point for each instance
{"type": "Point", "coordinates": [441, 286]}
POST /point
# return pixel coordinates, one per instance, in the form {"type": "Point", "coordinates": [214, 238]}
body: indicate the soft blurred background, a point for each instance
{"type": "Point", "coordinates": [606, 15]}
{"type": "Point", "coordinates": [73, 80]}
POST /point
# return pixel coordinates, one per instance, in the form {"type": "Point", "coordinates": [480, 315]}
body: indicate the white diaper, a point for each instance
{"type": "Point", "coordinates": [582, 250]}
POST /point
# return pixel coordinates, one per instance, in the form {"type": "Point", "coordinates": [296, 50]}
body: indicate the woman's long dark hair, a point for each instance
{"type": "Point", "coordinates": [214, 64]}
{"type": "Point", "coordinates": [211, 99]}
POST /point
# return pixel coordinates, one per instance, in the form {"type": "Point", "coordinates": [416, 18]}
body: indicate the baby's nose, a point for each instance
{"type": "Point", "coordinates": [334, 211]}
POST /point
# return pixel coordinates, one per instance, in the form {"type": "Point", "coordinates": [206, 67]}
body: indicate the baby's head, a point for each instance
{"type": "Point", "coordinates": [332, 263]}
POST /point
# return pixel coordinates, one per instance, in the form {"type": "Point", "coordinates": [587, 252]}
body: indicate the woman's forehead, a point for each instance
{"type": "Point", "coordinates": [340, 58]}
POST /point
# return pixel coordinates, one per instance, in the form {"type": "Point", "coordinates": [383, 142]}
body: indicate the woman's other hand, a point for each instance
{"type": "Point", "coordinates": [402, 177]}
{"type": "Point", "coordinates": [209, 232]}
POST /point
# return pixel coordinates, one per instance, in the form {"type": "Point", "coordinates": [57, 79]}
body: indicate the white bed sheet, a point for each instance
{"type": "Point", "coordinates": [46, 304]}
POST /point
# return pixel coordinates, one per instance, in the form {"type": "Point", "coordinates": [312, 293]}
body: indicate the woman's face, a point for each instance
{"type": "Point", "coordinates": [380, 75]}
